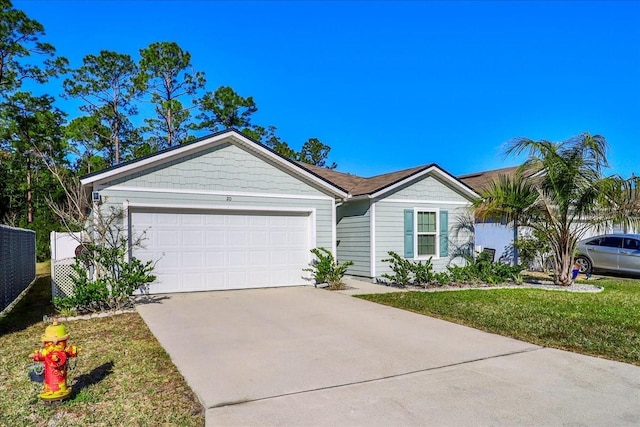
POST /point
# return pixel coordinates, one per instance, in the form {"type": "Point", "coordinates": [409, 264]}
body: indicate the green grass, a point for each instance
{"type": "Point", "coordinates": [605, 324]}
{"type": "Point", "coordinates": [122, 377]}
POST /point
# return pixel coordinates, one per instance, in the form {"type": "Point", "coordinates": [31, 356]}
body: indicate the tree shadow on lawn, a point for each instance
{"type": "Point", "coordinates": [31, 309]}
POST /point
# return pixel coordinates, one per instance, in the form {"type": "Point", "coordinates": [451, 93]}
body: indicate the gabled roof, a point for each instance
{"type": "Point", "coordinates": [337, 183]}
{"type": "Point", "coordinates": [227, 136]}
{"type": "Point", "coordinates": [378, 185]}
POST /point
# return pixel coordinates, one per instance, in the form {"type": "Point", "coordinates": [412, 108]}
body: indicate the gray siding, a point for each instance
{"type": "Point", "coordinates": [390, 231]}
{"type": "Point", "coordinates": [429, 188]}
{"type": "Point", "coordinates": [223, 167]}
{"type": "Point", "coordinates": [428, 193]}
{"type": "Point", "coordinates": [354, 236]}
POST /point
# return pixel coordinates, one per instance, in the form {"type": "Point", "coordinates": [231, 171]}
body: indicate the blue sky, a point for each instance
{"type": "Point", "coordinates": [391, 85]}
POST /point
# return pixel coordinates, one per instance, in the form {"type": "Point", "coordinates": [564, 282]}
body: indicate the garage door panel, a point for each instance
{"type": "Point", "coordinates": [278, 238]}
{"type": "Point", "coordinates": [192, 238]}
{"type": "Point", "coordinates": [199, 250]}
{"type": "Point", "coordinates": [166, 260]}
{"type": "Point", "coordinates": [215, 259]}
{"type": "Point", "coordinates": [215, 220]}
{"type": "Point", "coordinates": [168, 219]}
{"type": "Point", "coordinates": [167, 238]}
{"type": "Point", "coordinates": [258, 238]}
{"type": "Point", "coordinates": [258, 259]}
{"type": "Point", "coordinates": [192, 220]}
{"type": "Point", "coordinates": [258, 221]}
{"type": "Point", "coordinates": [237, 238]}
{"type": "Point", "coordinates": [237, 258]}
{"type": "Point", "coordinates": [237, 220]}
{"type": "Point", "coordinates": [193, 260]}
{"type": "Point", "coordinates": [215, 239]}
{"type": "Point", "coordinates": [239, 277]}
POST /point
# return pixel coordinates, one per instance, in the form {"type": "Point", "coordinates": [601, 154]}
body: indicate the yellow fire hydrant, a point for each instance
{"type": "Point", "coordinates": [55, 357]}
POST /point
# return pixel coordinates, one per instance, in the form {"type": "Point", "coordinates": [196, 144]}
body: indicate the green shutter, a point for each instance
{"type": "Point", "coordinates": [408, 233]}
{"type": "Point", "coordinates": [444, 233]}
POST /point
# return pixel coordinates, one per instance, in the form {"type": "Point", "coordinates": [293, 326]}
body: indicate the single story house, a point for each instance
{"type": "Point", "coordinates": [226, 212]}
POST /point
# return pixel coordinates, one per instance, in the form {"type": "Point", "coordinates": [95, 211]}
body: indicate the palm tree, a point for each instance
{"type": "Point", "coordinates": [621, 201]}
{"type": "Point", "coordinates": [569, 194]}
{"type": "Point", "coordinates": [509, 199]}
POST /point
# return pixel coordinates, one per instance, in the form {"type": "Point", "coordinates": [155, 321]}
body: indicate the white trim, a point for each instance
{"type": "Point", "coordinates": [313, 228]}
{"type": "Point", "coordinates": [415, 233]}
{"type": "Point", "coordinates": [212, 193]}
{"type": "Point", "coordinates": [135, 205]}
{"type": "Point", "coordinates": [372, 239]}
{"type": "Point", "coordinates": [433, 169]}
{"type": "Point", "coordinates": [427, 202]}
{"type": "Point", "coordinates": [126, 223]}
{"type": "Point", "coordinates": [230, 136]}
{"type": "Point", "coordinates": [334, 232]}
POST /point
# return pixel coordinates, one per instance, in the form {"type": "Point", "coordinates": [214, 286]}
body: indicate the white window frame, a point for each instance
{"type": "Point", "coordinates": [416, 211]}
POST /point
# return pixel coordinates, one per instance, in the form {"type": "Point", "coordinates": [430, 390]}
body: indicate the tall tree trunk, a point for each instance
{"type": "Point", "coordinates": [170, 137]}
{"type": "Point", "coordinates": [117, 141]}
{"type": "Point", "coordinates": [29, 191]}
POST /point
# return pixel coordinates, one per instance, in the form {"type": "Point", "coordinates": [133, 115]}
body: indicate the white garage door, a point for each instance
{"type": "Point", "coordinates": [204, 250]}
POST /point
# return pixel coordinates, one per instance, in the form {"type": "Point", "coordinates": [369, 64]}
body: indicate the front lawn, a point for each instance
{"type": "Point", "coordinates": [605, 324]}
{"type": "Point", "coordinates": [123, 376]}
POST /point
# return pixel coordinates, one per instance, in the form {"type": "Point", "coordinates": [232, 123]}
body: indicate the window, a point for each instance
{"type": "Point", "coordinates": [426, 233]}
{"type": "Point", "coordinates": [632, 244]}
{"type": "Point", "coordinates": [611, 242]}
{"type": "Point", "coordinates": [594, 242]}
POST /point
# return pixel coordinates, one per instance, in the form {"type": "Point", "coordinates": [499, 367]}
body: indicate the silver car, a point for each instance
{"type": "Point", "coordinates": [612, 252]}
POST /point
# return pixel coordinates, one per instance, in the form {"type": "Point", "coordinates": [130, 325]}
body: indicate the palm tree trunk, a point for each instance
{"type": "Point", "coordinates": [515, 242]}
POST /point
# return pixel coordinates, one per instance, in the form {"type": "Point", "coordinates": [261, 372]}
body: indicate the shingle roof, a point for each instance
{"type": "Point", "coordinates": [346, 181]}
{"type": "Point", "coordinates": [479, 181]}
{"type": "Point", "coordinates": [357, 185]}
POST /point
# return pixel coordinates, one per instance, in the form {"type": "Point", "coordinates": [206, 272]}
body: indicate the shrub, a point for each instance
{"type": "Point", "coordinates": [325, 269]}
{"type": "Point", "coordinates": [401, 269]}
{"type": "Point", "coordinates": [406, 272]}
{"type": "Point", "coordinates": [484, 270]}
{"type": "Point", "coordinates": [105, 280]}
{"type": "Point", "coordinates": [421, 273]}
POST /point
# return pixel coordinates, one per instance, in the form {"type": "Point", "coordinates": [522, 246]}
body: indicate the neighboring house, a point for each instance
{"type": "Point", "coordinates": [499, 236]}
{"type": "Point", "coordinates": [225, 212]}
{"type": "Point", "coordinates": [491, 235]}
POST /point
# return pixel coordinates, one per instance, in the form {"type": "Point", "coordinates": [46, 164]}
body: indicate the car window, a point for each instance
{"type": "Point", "coordinates": [594, 242]}
{"type": "Point", "coordinates": [611, 242]}
{"type": "Point", "coordinates": [633, 244]}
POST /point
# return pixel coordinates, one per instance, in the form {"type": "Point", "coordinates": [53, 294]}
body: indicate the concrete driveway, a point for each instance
{"type": "Point", "coordinates": [305, 356]}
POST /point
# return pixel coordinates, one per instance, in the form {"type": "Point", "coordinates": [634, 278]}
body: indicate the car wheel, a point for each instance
{"type": "Point", "coordinates": [584, 264]}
